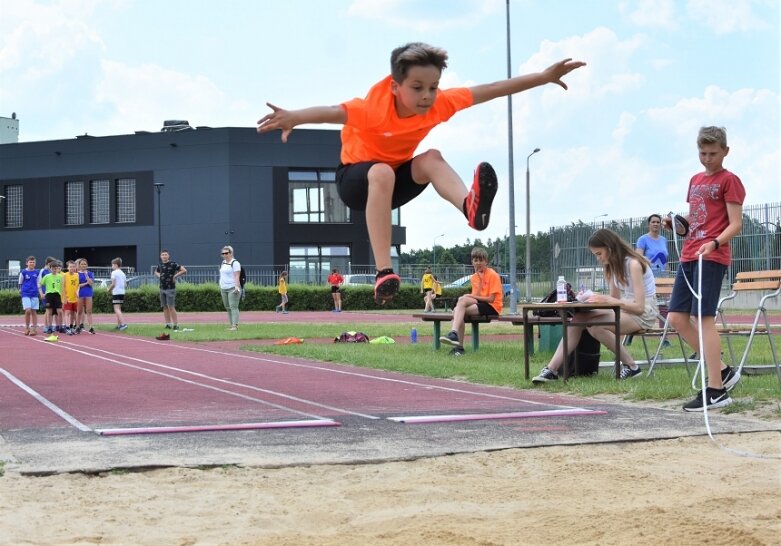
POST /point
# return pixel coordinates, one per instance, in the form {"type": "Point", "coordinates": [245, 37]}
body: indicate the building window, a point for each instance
{"type": "Point", "coordinates": [313, 199]}
{"type": "Point", "coordinates": [126, 200]}
{"type": "Point", "coordinates": [74, 203]}
{"type": "Point", "coordinates": [311, 264]}
{"type": "Point", "coordinates": [14, 201]}
{"type": "Point", "coordinates": [99, 209]}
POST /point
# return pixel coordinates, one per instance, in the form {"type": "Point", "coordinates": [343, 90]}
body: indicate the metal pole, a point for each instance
{"type": "Point", "coordinates": [528, 229]}
{"type": "Point", "coordinates": [159, 187]}
{"type": "Point", "coordinates": [511, 189]}
{"type": "Point", "coordinates": [434, 252]}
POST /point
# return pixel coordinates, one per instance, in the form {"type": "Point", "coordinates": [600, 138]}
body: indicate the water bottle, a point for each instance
{"type": "Point", "coordinates": [561, 290]}
{"type": "Point", "coordinates": [413, 336]}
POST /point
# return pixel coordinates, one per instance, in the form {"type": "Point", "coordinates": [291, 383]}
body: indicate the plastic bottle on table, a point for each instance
{"type": "Point", "coordinates": [561, 290]}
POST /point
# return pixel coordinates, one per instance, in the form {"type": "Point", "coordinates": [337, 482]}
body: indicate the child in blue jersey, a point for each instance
{"type": "Point", "coordinates": [28, 289]}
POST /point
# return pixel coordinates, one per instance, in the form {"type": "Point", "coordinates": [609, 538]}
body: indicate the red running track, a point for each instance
{"type": "Point", "coordinates": [121, 384]}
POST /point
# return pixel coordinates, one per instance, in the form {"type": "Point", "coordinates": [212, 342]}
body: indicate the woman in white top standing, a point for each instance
{"type": "Point", "coordinates": [230, 287]}
{"type": "Point", "coordinates": [632, 285]}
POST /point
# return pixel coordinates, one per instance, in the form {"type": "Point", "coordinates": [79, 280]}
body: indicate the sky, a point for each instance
{"type": "Point", "coordinates": [621, 142]}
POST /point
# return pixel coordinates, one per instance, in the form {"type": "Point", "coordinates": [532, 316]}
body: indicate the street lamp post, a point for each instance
{"type": "Point", "coordinates": [434, 251]}
{"type": "Point", "coordinates": [594, 219]}
{"type": "Point", "coordinates": [511, 186]}
{"type": "Point", "coordinates": [528, 228]}
{"type": "Point", "coordinates": [159, 186]}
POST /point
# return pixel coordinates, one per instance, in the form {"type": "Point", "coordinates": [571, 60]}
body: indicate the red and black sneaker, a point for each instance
{"type": "Point", "coordinates": [477, 204]}
{"type": "Point", "coordinates": [386, 286]}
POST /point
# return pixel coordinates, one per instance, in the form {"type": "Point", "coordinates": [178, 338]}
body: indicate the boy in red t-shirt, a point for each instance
{"type": "Point", "coordinates": [484, 300]}
{"type": "Point", "coordinates": [715, 200]}
{"type": "Point", "coordinates": [378, 172]}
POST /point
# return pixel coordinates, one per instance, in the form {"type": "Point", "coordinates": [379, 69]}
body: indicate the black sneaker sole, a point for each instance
{"type": "Point", "coordinates": [488, 184]}
{"type": "Point", "coordinates": [386, 290]}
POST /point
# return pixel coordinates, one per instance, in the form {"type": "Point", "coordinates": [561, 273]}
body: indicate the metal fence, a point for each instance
{"type": "Point", "coordinates": [757, 247]}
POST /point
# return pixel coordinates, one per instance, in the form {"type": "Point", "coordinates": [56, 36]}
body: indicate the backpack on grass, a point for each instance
{"type": "Point", "coordinates": [352, 337]}
{"type": "Point", "coordinates": [588, 356]}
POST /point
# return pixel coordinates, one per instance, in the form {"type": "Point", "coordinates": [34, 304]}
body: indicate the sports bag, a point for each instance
{"type": "Point", "coordinates": [351, 337]}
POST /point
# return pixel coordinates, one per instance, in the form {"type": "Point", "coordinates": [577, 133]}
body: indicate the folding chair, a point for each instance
{"type": "Point", "coordinates": [752, 281]}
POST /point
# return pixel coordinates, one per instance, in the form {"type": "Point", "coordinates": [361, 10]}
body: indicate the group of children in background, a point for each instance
{"type": "Point", "coordinates": [66, 296]}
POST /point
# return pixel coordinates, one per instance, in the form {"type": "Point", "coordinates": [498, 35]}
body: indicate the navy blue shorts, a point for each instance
{"type": "Point", "coordinates": [683, 301]}
{"type": "Point", "coordinates": [352, 183]}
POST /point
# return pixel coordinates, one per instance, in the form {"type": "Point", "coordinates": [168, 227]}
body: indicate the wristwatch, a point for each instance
{"type": "Point", "coordinates": [716, 242]}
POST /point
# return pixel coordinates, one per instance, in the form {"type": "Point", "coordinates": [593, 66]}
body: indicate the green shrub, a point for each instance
{"type": "Point", "coordinates": [206, 297]}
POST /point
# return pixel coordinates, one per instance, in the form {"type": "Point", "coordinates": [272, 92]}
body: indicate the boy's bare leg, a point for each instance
{"type": "Point", "coordinates": [558, 359]}
{"type": "Point", "coordinates": [432, 167]}
{"type": "Point", "coordinates": [378, 213]}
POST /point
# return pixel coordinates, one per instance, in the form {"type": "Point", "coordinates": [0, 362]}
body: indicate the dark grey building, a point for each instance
{"type": "Point", "coordinates": [96, 197]}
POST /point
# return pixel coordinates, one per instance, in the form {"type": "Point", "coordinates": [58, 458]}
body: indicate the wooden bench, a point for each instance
{"type": "Point", "coordinates": [439, 318]}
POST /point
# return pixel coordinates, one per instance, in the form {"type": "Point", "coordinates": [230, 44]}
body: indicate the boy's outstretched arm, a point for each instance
{"type": "Point", "coordinates": [287, 119]}
{"type": "Point", "coordinates": [502, 88]}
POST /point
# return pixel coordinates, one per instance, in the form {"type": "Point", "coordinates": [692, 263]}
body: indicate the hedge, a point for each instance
{"type": "Point", "coordinates": [206, 297]}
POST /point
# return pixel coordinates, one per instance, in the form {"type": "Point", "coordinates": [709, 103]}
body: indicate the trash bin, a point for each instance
{"type": "Point", "coordinates": [550, 336]}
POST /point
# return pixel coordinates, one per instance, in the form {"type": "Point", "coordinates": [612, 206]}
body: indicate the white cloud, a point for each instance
{"type": "Point", "coordinates": [651, 13]}
{"type": "Point", "coordinates": [608, 71]}
{"type": "Point", "coordinates": [624, 127]}
{"type": "Point", "coordinates": [141, 97]}
{"type": "Point", "coordinates": [727, 16]}
{"type": "Point", "coordinates": [38, 40]}
{"type": "Point", "coordinates": [424, 16]}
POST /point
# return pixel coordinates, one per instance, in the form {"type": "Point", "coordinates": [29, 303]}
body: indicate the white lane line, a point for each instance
{"type": "Point", "coordinates": [416, 419]}
{"type": "Point", "coordinates": [363, 375]}
{"type": "Point", "coordinates": [69, 345]}
{"type": "Point", "coordinates": [228, 382]}
{"type": "Point", "coordinates": [53, 407]}
{"type": "Point", "coordinates": [65, 346]}
{"type": "Point", "coordinates": [215, 428]}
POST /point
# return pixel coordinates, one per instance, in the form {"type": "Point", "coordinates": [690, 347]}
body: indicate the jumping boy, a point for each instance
{"type": "Point", "coordinates": [378, 172]}
{"type": "Point", "coordinates": [28, 290]}
{"type": "Point", "coordinates": [715, 200]}
{"type": "Point", "coordinates": [485, 300]}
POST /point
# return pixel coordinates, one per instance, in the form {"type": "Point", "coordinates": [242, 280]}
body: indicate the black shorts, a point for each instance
{"type": "Point", "coordinates": [352, 183]}
{"type": "Point", "coordinates": [53, 301]}
{"type": "Point", "coordinates": [486, 309]}
{"type": "Point", "coordinates": [334, 289]}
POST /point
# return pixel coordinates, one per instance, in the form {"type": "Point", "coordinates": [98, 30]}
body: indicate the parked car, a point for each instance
{"type": "Point", "coordinates": [466, 282]}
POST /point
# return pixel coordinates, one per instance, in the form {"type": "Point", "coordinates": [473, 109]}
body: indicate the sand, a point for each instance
{"type": "Point", "coordinates": [682, 491]}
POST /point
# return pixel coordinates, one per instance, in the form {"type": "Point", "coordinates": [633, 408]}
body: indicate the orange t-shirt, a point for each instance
{"type": "Point", "coordinates": [374, 131]}
{"type": "Point", "coordinates": [491, 283]}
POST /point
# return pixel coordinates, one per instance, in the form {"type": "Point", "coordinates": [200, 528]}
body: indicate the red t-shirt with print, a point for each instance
{"type": "Point", "coordinates": [708, 197]}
